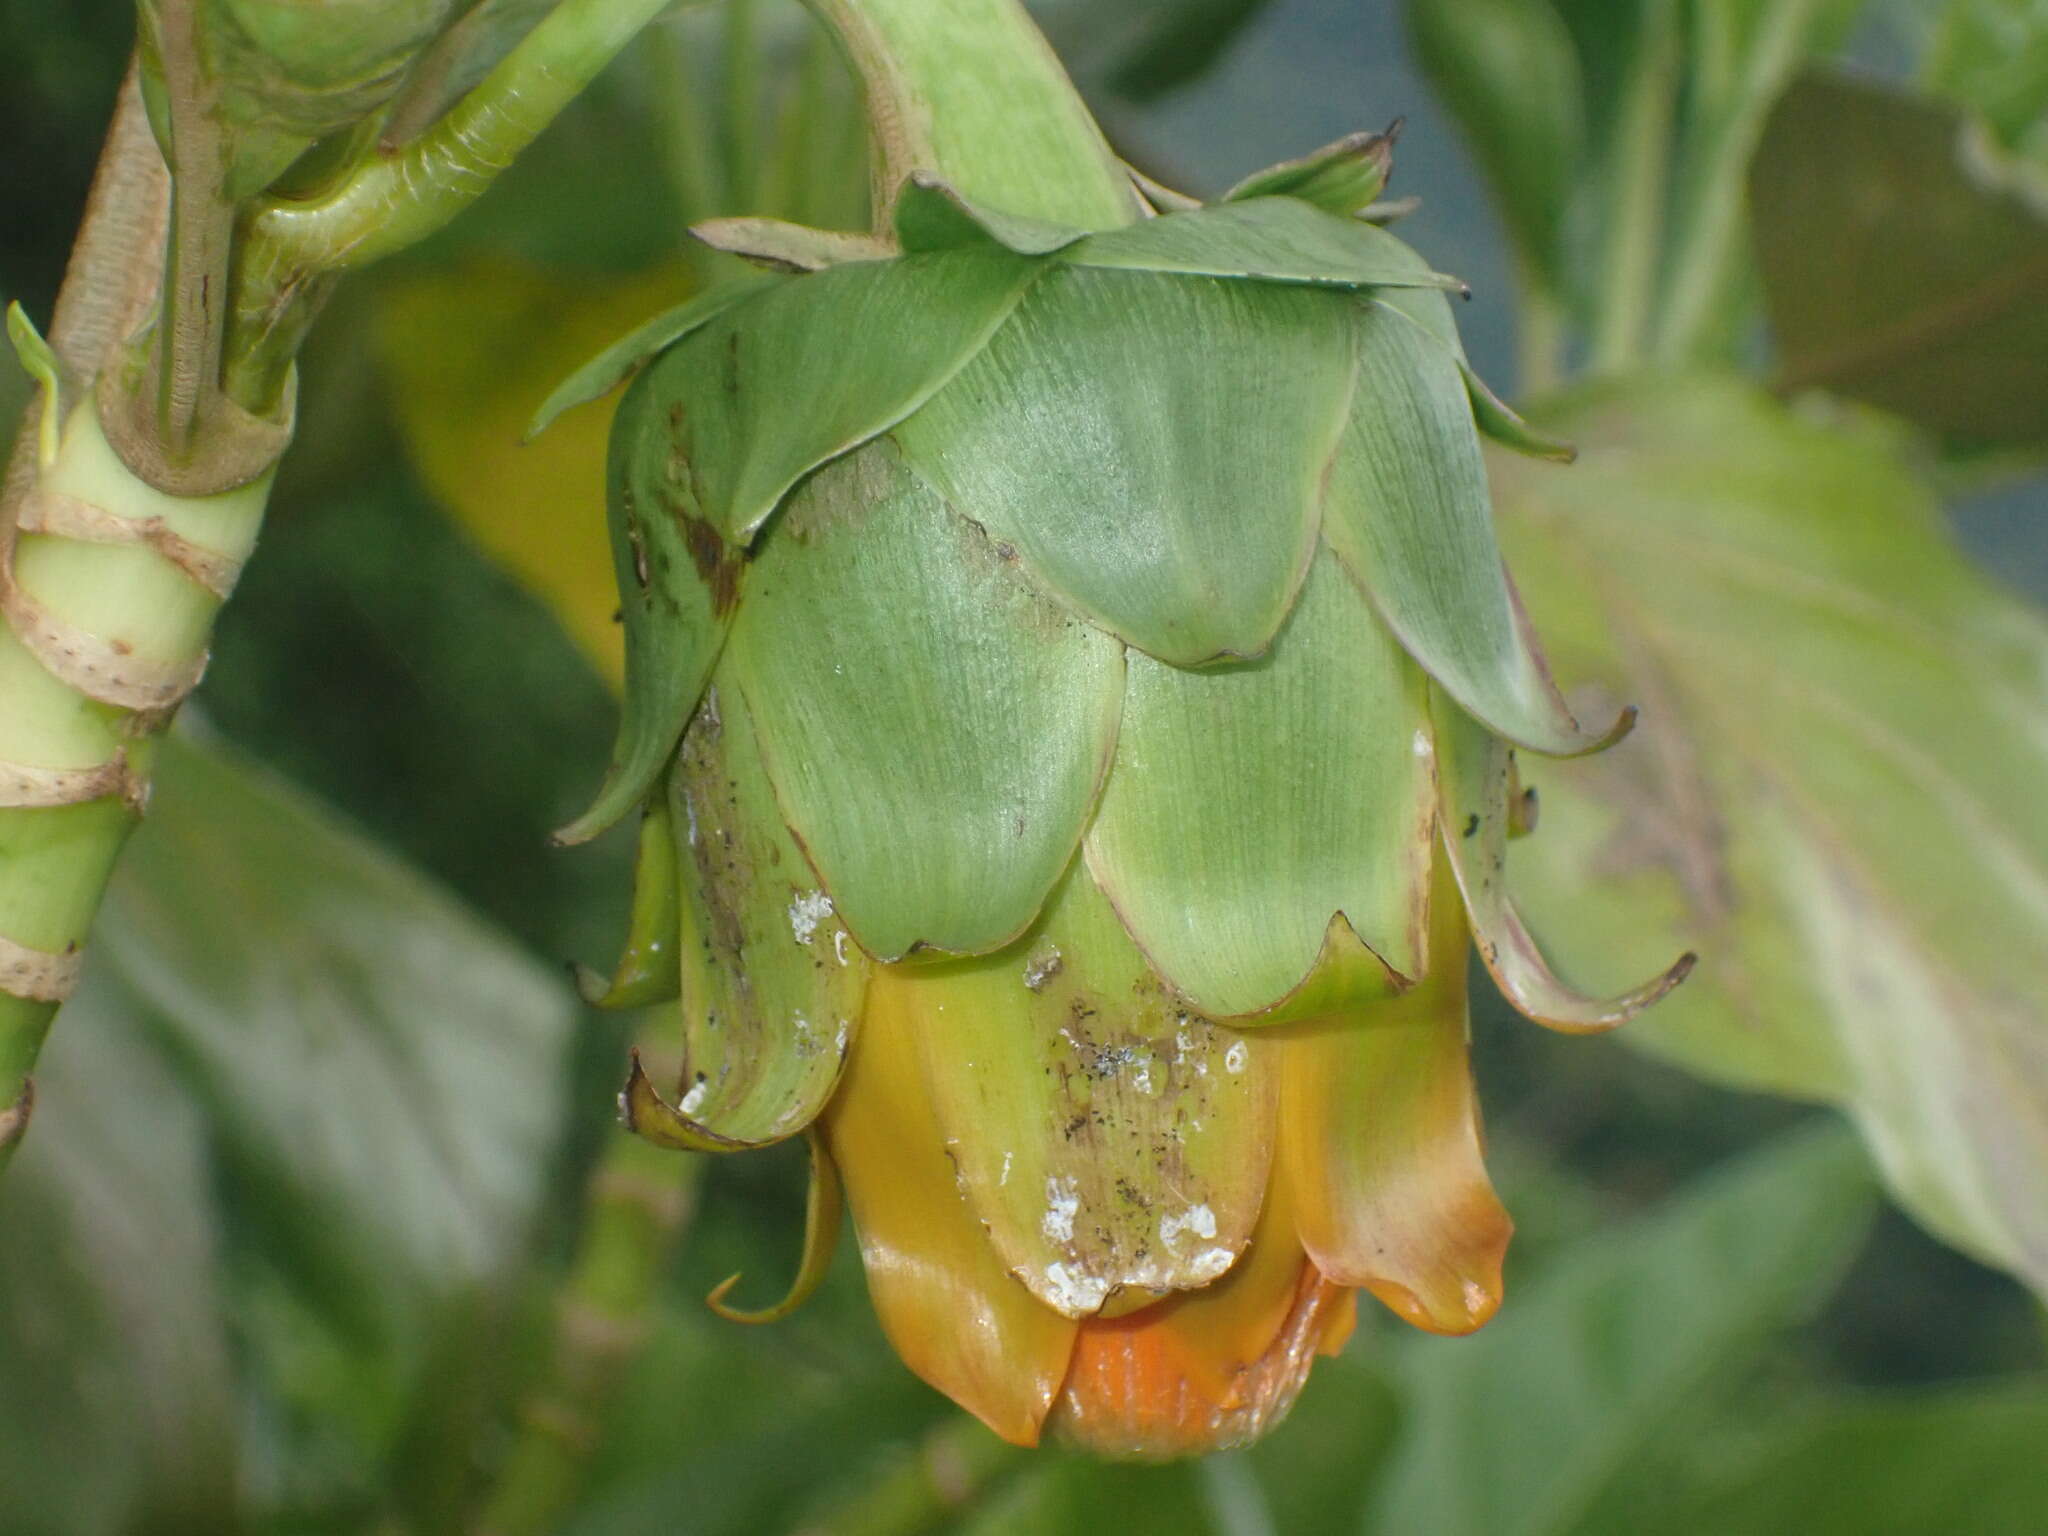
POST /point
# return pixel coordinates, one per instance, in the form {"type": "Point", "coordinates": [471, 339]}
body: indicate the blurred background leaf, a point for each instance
{"type": "Point", "coordinates": [1611, 1356]}
{"type": "Point", "coordinates": [1905, 260]}
{"type": "Point", "coordinates": [1834, 790]}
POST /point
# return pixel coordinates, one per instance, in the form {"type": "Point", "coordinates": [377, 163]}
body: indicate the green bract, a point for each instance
{"type": "Point", "coordinates": [1156, 561]}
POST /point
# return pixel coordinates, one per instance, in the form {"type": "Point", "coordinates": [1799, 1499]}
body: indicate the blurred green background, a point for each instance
{"type": "Point", "coordinates": [285, 1250]}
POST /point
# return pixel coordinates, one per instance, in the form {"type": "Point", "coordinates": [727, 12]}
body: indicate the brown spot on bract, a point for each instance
{"type": "Point", "coordinates": [718, 563]}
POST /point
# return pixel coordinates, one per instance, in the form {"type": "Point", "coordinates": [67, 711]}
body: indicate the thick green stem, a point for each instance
{"type": "Point", "coordinates": [1637, 174]}
{"type": "Point", "coordinates": [968, 90]}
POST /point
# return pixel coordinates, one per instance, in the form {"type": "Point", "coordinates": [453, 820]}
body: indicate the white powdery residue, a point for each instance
{"type": "Point", "coordinates": [1182, 1044]}
{"type": "Point", "coordinates": [1422, 747]}
{"type": "Point", "coordinates": [1062, 1205]}
{"type": "Point", "coordinates": [1209, 1263]}
{"type": "Point", "coordinates": [690, 810]}
{"type": "Point", "coordinates": [1478, 1302]}
{"type": "Point", "coordinates": [1075, 1294]}
{"type": "Point", "coordinates": [1042, 966]}
{"type": "Point", "coordinates": [1198, 1219]}
{"type": "Point", "coordinates": [1008, 1158]}
{"type": "Point", "coordinates": [694, 1099]}
{"type": "Point", "coordinates": [1235, 1058]}
{"type": "Point", "coordinates": [809, 909]}
{"type": "Point", "coordinates": [839, 1040]}
{"type": "Point", "coordinates": [839, 946]}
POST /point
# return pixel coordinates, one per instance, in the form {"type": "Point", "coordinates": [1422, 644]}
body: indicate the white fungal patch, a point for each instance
{"type": "Point", "coordinates": [1075, 1294]}
{"type": "Point", "coordinates": [1008, 1158]}
{"type": "Point", "coordinates": [1236, 1058]}
{"type": "Point", "coordinates": [1209, 1263]}
{"type": "Point", "coordinates": [839, 946]}
{"type": "Point", "coordinates": [1198, 1219]}
{"type": "Point", "coordinates": [1476, 1299]}
{"type": "Point", "coordinates": [694, 1099]}
{"type": "Point", "coordinates": [1062, 1205]}
{"type": "Point", "coordinates": [839, 1040]}
{"type": "Point", "coordinates": [1042, 966]}
{"type": "Point", "coordinates": [809, 909]}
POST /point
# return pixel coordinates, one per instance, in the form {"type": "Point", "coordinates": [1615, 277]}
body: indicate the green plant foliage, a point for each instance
{"type": "Point", "coordinates": [881, 630]}
{"type": "Point", "coordinates": [1520, 1429]}
{"type": "Point", "coordinates": [1920, 1465]}
{"type": "Point", "coordinates": [1904, 262]}
{"type": "Point", "coordinates": [1225, 857]}
{"type": "Point", "coordinates": [1106, 463]}
{"type": "Point", "coordinates": [1835, 794]}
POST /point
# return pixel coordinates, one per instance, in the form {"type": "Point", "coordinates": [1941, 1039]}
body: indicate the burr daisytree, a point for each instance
{"type": "Point", "coordinates": [1083, 761]}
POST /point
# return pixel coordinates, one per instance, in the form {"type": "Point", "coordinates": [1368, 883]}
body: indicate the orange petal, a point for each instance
{"type": "Point", "coordinates": [1212, 1369]}
{"type": "Point", "coordinates": [1379, 1132]}
{"type": "Point", "coordinates": [954, 1314]}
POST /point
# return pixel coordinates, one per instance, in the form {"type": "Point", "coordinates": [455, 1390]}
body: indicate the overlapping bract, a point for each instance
{"type": "Point", "coordinates": [1095, 683]}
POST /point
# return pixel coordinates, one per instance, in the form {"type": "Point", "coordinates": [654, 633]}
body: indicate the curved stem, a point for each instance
{"type": "Point", "coordinates": [1636, 184]}
{"type": "Point", "coordinates": [397, 199]}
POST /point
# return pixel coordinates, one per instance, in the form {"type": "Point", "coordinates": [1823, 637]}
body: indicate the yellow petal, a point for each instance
{"type": "Point", "coordinates": [1211, 1369]}
{"type": "Point", "coordinates": [953, 1312]}
{"type": "Point", "coordinates": [1379, 1132]}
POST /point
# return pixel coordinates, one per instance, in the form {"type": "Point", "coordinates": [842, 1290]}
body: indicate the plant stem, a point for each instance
{"type": "Point", "coordinates": [118, 546]}
{"type": "Point", "coordinates": [397, 199]}
{"type": "Point", "coordinates": [1637, 173]}
{"type": "Point", "coordinates": [969, 91]}
{"type": "Point", "coordinates": [637, 1203]}
{"type": "Point", "coordinates": [957, 1463]}
{"type": "Point", "coordinates": [1735, 95]}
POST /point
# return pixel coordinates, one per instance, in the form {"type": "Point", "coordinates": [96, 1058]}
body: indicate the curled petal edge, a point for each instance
{"type": "Point", "coordinates": [822, 1207]}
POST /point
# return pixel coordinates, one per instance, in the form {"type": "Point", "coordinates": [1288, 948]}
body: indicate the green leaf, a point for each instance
{"type": "Point", "coordinates": [1993, 55]}
{"type": "Point", "coordinates": [860, 346]}
{"type": "Point", "coordinates": [1151, 449]}
{"type": "Point", "coordinates": [1344, 177]}
{"type": "Point", "coordinates": [1409, 515]}
{"type": "Point", "coordinates": [678, 583]}
{"type": "Point", "coordinates": [1508, 73]}
{"type": "Point", "coordinates": [1251, 803]}
{"type": "Point", "coordinates": [611, 367]}
{"type": "Point", "coordinates": [1901, 265]}
{"type": "Point", "coordinates": [771, 986]}
{"type": "Point", "coordinates": [382, 1071]}
{"type": "Point", "coordinates": [1270, 239]}
{"type": "Point", "coordinates": [1904, 1466]}
{"type": "Point", "coordinates": [930, 215]}
{"type": "Point", "coordinates": [936, 732]}
{"type": "Point", "coordinates": [1836, 793]}
{"type": "Point", "coordinates": [117, 1387]}
{"type": "Point", "coordinates": [1111, 1143]}
{"type": "Point", "coordinates": [1520, 1429]}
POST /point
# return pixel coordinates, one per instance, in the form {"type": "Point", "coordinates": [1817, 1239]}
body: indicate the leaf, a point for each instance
{"type": "Point", "coordinates": [1250, 804]}
{"type": "Point", "coordinates": [1270, 239]}
{"type": "Point", "coordinates": [1908, 1465]}
{"type": "Point", "coordinates": [1409, 515]}
{"type": "Point", "coordinates": [861, 346]}
{"type": "Point", "coordinates": [117, 1387]}
{"type": "Point", "coordinates": [1151, 450]}
{"type": "Point", "coordinates": [1344, 177]}
{"type": "Point", "coordinates": [1508, 73]}
{"type": "Point", "coordinates": [931, 215]}
{"type": "Point", "coordinates": [1835, 796]}
{"type": "Point", "coordinates": [382, 1071]}
{"type": "Point", "coordinates": [1900, 265]}
{"type": "Point", "coordinates": [772, 986]}
{"type": "Point", "coordinates": [1518, 1430]}
{"type": "Point", "coordinates": [615, 364]}
{"type": "Point", "coordinates": [678, 582]}
{"type": "Point", "coordinates": [784, 247]}
{"type": "Point", "coordinates": [937, 732]}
